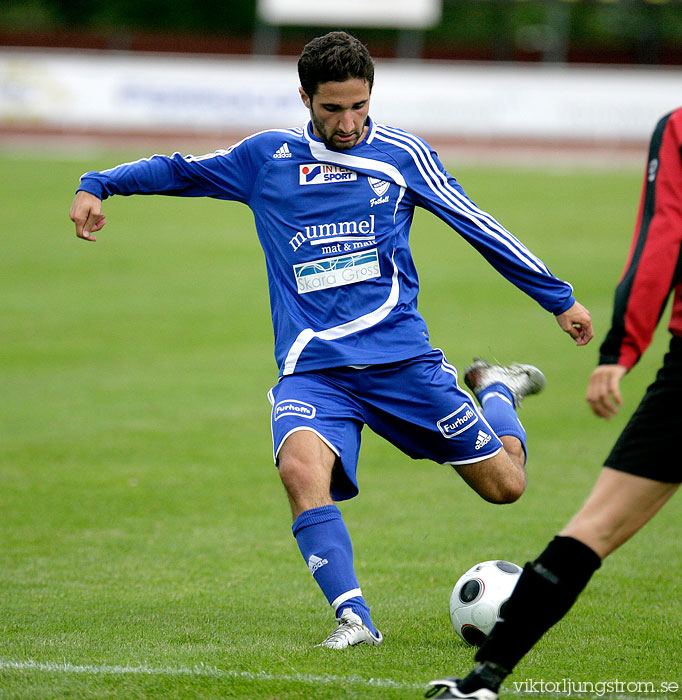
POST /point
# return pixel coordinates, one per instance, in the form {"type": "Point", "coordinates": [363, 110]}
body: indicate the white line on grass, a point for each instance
{"type": "Point", "coordinates": [201, 670]}
{"type": "Point", "coordinates": [307, 678]}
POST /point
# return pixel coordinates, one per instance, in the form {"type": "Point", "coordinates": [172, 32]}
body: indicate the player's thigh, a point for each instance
{"type": "Point", "coordinates": [315, 420]}
{"type": "Point", "coordinates": [305, 456]}
{"type": "Point", "coordinates": [618, 506]}
{"type": "Point", "coordinates": [306, 465]}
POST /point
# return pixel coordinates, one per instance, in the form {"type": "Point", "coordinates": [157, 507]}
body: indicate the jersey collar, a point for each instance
{"type": "Point", "coordinates": [352, 159]}
{"type": "Point", "coordinates": [371, 131]}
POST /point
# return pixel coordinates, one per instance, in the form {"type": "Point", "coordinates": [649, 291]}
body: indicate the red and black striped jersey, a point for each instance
{"type": "Point", "coordinates": [654, 267]}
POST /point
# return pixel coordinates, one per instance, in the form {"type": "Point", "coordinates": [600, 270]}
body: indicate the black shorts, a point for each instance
{"type": "Point", "coordinates": [649, 445]}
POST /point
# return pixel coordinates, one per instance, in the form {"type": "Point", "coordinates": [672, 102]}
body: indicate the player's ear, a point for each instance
{"type": "Point", "coordinates": [304, 97]}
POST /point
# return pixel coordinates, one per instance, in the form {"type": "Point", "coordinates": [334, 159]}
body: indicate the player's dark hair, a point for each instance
{"type": "Point", "coordinates": [336, 56]}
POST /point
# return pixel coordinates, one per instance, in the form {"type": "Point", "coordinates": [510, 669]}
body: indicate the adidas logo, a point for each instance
{"type": "Point", "coordinates": [282, 152]}
{"type": "Point", "coordinates": [314, 563]}
{"type": "Point", "coordinates": [482, 439]}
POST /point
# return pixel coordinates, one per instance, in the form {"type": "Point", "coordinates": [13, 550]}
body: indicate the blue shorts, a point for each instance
{"type": "Point", "coordinates": [415, 404]}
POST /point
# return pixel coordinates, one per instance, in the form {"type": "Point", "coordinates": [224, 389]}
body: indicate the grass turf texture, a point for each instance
{"type": "Point", "coordinates": [146, 549]}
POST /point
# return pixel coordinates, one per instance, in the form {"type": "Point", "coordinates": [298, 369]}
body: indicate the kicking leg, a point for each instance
{"type": "Point", "coordinates": [499, 390]}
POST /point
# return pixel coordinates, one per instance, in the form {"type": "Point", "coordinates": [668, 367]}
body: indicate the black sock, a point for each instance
{"type": "Point", "coordinates": [544, 594]}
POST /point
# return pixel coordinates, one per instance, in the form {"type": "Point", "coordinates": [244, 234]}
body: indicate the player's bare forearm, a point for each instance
{"type": "Point", "coordinates": [577, 322]}
{"type": "Point", "coordinates": [86, 213]}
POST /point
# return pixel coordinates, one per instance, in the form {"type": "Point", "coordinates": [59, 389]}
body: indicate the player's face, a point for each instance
{"type": "Point", "coordinates": [339, 111]}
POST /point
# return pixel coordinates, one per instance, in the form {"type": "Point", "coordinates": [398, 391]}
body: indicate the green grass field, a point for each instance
{"type": "Point", "coordinates": [145, 543]}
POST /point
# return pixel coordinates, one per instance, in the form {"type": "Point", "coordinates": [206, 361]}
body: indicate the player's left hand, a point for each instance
{"type": "Point", "coordinates": [577, 322]}
{"type": "Point", "coordinates": [603, 391]}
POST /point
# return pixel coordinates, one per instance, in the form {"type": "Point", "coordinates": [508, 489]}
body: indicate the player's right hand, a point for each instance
{"type": "Point", "coordinates": [86, 213]}
{"type": "Point", "coordinates": [603, 391]}
{"type": "Point", "coordinates": [577, 322]}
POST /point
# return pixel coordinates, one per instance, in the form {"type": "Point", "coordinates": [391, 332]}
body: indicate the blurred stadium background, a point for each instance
{"type": "Point", "coordinates": [507, 79]}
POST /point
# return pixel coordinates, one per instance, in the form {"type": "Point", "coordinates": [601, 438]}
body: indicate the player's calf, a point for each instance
{"type": "Point", "coordinates": [500, 391]}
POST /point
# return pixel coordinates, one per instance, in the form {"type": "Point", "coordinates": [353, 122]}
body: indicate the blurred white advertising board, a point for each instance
{"type": "Point", "coordinates": [404, 14]}
{"type": "Point", "coordinates": [125, 92]}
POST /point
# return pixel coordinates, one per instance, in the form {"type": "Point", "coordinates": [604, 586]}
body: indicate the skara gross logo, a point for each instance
{"type": "Point", "coordinates": [323, 174]}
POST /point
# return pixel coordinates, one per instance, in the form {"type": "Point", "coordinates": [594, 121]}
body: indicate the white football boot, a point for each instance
{"type": "Point", "coordinates": [350, 631]}
{"type": "Point", "coordinates": [521, 380]}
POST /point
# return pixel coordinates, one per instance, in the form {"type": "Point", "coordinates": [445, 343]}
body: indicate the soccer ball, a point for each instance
{"type": "Point", "coordinates": [479, 597]}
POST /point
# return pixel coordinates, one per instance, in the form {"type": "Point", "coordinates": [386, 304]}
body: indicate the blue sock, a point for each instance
{"type": "Point", "coordinates": [325, 545]}
{"type": "Point", "coordinates": [497, 403]}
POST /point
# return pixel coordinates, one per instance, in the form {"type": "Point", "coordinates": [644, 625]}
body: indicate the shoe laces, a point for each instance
{"type": "Point", "coordinates": [345, 629]}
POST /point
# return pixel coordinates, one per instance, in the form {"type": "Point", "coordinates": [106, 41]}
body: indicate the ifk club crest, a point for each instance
{"type": "Point", "coordinates": [380, 187]}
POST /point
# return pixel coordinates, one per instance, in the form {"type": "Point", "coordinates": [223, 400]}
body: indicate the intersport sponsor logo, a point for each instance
{"type": "Point", "coordinates": [457, 422]}
{"type": "Point", "coordinates": [323, 174]}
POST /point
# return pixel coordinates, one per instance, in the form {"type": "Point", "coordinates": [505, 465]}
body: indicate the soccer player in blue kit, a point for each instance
{"type": "Point", "coordinates": [333, 203]}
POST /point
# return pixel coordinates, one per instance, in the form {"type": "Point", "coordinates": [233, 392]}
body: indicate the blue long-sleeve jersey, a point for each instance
{"type": "Point", "coordinates": [334, 226]}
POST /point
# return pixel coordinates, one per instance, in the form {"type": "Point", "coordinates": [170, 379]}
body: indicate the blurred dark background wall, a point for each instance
{"type": "Point", "coordinates": [647, 32]}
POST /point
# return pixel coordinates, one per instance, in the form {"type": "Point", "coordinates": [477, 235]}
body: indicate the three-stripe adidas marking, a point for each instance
{"type": "Point", "coordinates": [282, 152]}
{"type": "Point", "coordinates": [315, 562]}
{"type": "Point", "coordinates": [482, 439]}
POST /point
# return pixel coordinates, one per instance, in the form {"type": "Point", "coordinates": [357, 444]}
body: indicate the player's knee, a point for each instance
{"type": "Point", "coordinates": [509, 482]}
{"type": "Point", "coordinates": [497, 480]}
{"type": "Point", "coordinates": [301, 474]}
{"type": "Point", "coordinates": [506, 495]}
{"type": "Point", "coordinates": [506, 490]}
{"type": "Point", "coordinates": [293, 472]}
{"type": "Point", "coordinates": [514, 491]}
